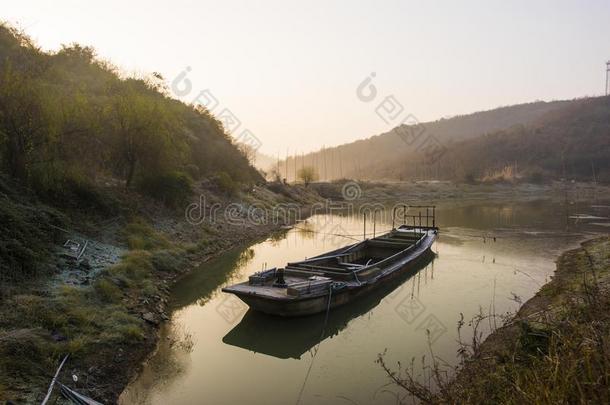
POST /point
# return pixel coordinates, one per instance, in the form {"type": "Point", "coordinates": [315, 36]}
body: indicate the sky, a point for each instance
{"type": "Point", "coordinates": [293, 73]}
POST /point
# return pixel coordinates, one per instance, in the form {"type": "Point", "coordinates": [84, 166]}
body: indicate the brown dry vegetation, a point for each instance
{"type": "Point", "coordinates": [555, 350]}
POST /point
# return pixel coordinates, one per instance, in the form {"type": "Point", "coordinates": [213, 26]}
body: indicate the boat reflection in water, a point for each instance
{"type": "Point", "coordinates": [286, 338]}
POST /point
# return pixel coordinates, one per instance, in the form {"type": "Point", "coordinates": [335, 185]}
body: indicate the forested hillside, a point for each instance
{"type": "Point", "coordinates": [69, 121]}
{"type": "Point", "coordinates": [535, 141]}
{"type": "Point", "coordinates": [572, 142]}
{"type": "Point", "coordinates": [96, 173]}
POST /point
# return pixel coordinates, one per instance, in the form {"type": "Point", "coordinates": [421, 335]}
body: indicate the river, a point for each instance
{"type": "Point", "coordinates": [490, 256]}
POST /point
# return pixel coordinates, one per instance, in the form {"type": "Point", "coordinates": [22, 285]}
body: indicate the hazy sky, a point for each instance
{"type": "Point", "coordinates": [289, 70]}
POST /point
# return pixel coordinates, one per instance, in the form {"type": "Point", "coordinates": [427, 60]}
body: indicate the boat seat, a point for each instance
{"type": "Point", "coordinates": [402, 241]}
{"type": "Point", "coordinates": [316, 267]}
{"type": "Point", "coordinates": [381, 243]}
{"type": "Point", "coordinates": [352, 265]}
{"type": "Point", "coordinates": [351, 257]}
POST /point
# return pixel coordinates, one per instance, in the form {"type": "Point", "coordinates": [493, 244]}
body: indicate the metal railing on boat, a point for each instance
{"type": "Point", "coordinates": [419, 221]}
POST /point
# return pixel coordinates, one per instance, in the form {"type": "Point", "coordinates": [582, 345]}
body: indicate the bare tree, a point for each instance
{"type": "Point", "coordinates": [307, 174]}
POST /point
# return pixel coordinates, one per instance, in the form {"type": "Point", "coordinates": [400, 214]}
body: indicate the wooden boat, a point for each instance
{"type": "Point", "coordinates": [286, 338]}
{"type": "Point", "coordinates": [336, 278]}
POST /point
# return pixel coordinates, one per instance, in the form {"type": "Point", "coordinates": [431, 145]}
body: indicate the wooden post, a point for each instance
{"type": "Point", "coordinates": [364, 214]}
{"type": "Point", "coordinates": [433, 216]}
{"type": "Point", "coordinates": [393, 214]}
{"type": "Point", "coordinates": [404, 214]}
{"type": "Point", "coordinates": [374, 222]}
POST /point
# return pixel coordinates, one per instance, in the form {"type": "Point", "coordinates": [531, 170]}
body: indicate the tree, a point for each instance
{"type": "Point", "coordinates": [307, 174]}
{"type": "Point", "coordinates": [144, 131]}
{"type": "Point", "coordinates": [248, 152]}
{"type": "Point", "coordinates": [25, 122]}
{"type": "Point", "coordinates": [68, 116]}
{"type": "Point", "coordinates": [274, 175]}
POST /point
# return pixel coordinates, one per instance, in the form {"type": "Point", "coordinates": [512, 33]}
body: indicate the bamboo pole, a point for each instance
{"type": "Point", "coordinates": [46, 398]}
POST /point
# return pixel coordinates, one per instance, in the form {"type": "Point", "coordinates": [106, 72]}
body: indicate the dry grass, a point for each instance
{"type": "Point", "coordinates": [88, 322]}
{"type": "Point", "coordinates": [556, 349]}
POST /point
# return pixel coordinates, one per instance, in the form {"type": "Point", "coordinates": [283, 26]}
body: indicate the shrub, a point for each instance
{"type": "Point", "coordinates": [122, 327]}
{"type": "Point", "coordinates": [172, 188]}
{"type": "Point", "coordinates": [168, 261]}
{"type": "Point", "coordinates": [72, 189]}
{"type": "Point", "coordinates": [141, 236]}
{"type": "Point", "coordinates": [134, 267]}
{"type": "Point", "coordinates": [27, 232]}
{"type": "Point", "coordinates": [107, 291]}
{"type": "Point", "coordinates": [193, 171]}
{"type": "Point", "coordinates": [225, 183]}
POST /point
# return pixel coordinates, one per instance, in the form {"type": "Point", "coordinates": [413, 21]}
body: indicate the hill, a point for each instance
{"type": "Point", "coordinates": [572, 142]}
{"type": "Point", "coordinates": [106, 192]}
{"type": "Point", "coordinates": [401, 153]}
{"type": "Point", "coordinates": [69, 120]}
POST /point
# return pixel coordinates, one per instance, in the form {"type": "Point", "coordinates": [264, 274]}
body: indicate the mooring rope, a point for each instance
{"type": "Point", "coordinates": [330, 294]}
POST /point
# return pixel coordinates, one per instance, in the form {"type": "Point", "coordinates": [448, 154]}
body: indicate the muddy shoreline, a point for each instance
{"type": "Point", "coordinates": [143, 353]}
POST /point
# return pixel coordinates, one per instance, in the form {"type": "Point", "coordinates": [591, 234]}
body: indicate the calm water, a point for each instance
{"type": "Point", "coordinates": [215, 351]}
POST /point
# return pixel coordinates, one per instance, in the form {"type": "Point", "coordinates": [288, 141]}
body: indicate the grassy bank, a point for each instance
{"type": "Point", "coordinates": [104, 308]}
{"type": "Point", "coordinates": [435, 191]}
{"type": "Point", "coordinates": [556, 349]}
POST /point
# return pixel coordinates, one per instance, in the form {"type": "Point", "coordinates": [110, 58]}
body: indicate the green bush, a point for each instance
{"type": "Point", "coordinates": [225, 183]}
{"type": "Point", "coordinates": [107, 291]}
{"type": "Point", "coordinates": [141, 236]}
{"type": "Point", "coordinates": [135, 267]}
{"type": "Point", "coordinates": [168, 261]}
{"type": "Point", "coordinates": [71, 189]}
{"type": "Point", "coordinates": [172, 188]}
{"type": "Point", "coordinates": [27, 233]}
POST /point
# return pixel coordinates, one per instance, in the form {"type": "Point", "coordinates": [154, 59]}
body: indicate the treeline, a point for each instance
{"type": "Point", "coordinates": [69, 121]}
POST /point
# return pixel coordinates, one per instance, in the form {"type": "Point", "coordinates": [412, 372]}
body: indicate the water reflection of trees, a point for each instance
{"type": "Point", "coordinates": [216, 280]}
{"type": "Point", "coordinates": [202, 284]}
{"type": "Point", "coordinates": [277, 237]}
{"type": "Point", "coordinates": [244, 258]}
{"type": "Point", "coordinates": [306, 230]}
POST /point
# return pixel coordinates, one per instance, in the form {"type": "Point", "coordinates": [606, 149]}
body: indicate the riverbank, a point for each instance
{"type": "Point", "coordinates": [104, 307]}
{"type": "Point", "coordinates": [554, 350]}
{"type": "Point", "coordinates": [102, 283]}
{"type": "Point", "coordinates": [435, 191]}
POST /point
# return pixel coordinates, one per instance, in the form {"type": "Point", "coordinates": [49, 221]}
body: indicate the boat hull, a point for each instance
{"type": "Point", "coordinates": [313, 305]}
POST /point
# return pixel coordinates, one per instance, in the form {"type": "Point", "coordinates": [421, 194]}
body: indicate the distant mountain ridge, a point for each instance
{"type": "Point", "coordinates": [388, 157]}
{"type": "Point", "coordinates": [572, 142]}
